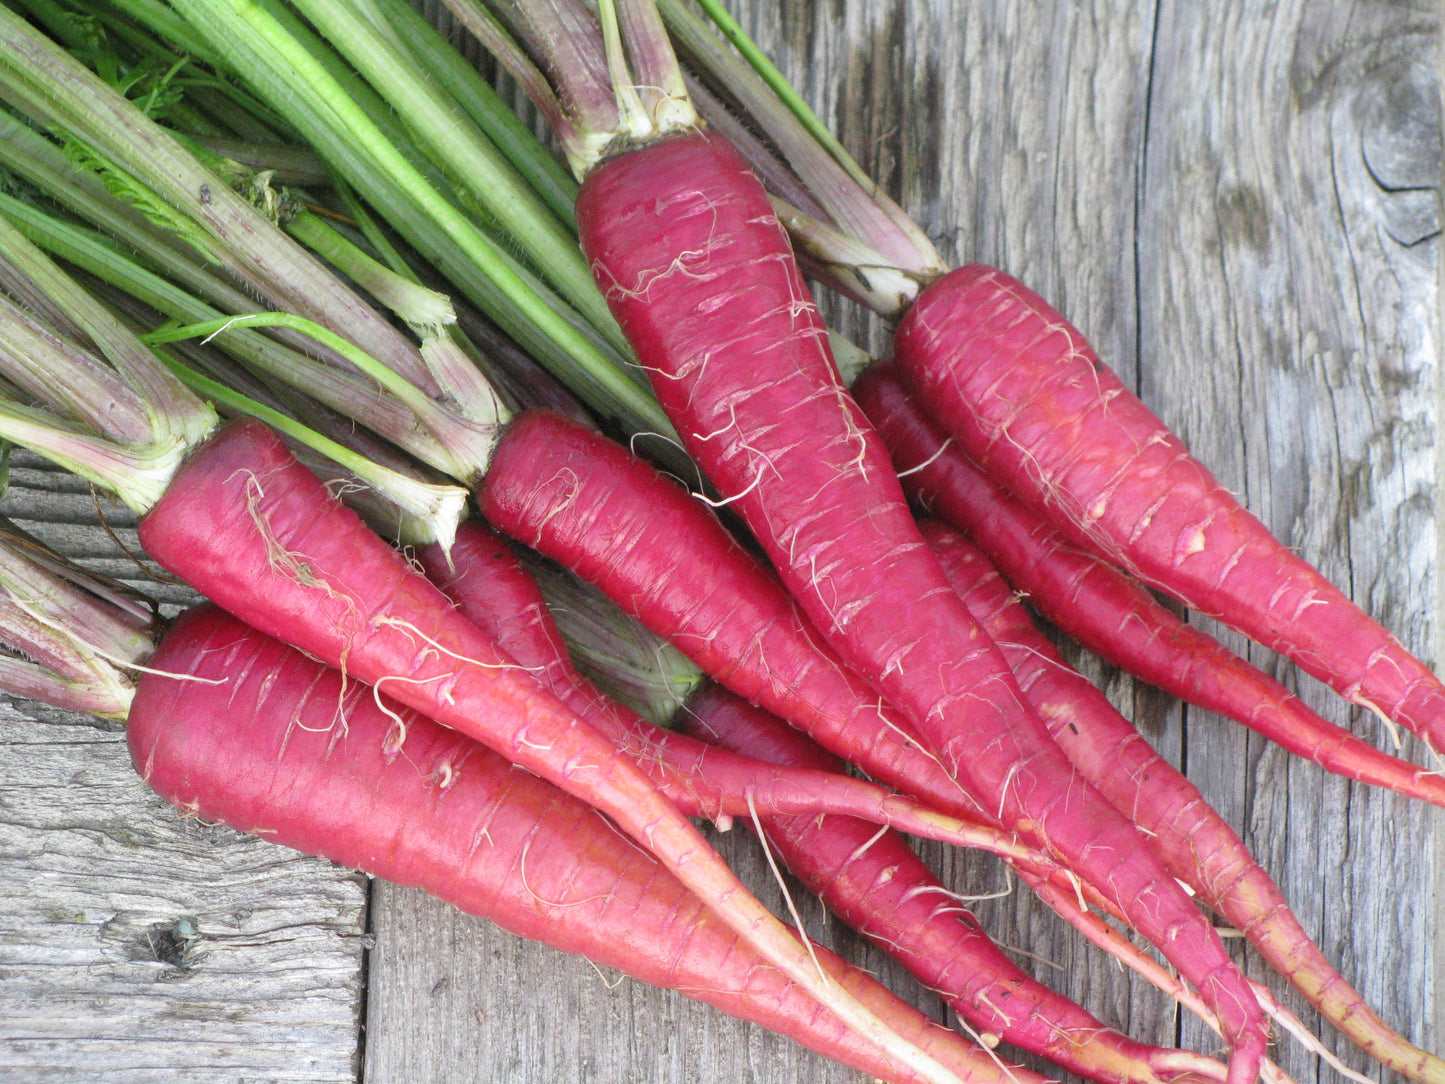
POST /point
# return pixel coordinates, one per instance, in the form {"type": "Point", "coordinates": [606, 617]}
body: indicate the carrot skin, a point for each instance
{"type": "Point", "coordinates": [585, 502]}
{"type": "Point", "coordinates": [490, 587]}
{"type": "Point", "coordinates": [287, 749]}
{"type": "Point", "coordinates": [950, 952]}
{"type": "Point", "coordinates": [582, 500]}
{"type": "Point", "coordinates": [1102, 608]}
{"type": "Point", "coordinates": [876, 884]}
{"type": "Point", "coordinates": [719, 315]}
{"type": "Point", "coordinates": [589, 504]}
{"type": "Point", "coordinates": [1029, 400]}
{"type": "Point", "coordinates": [253, 531]}
{"type": "Point", "coordinates": [1196, 843]}
{"type": "Point", "coordinates": [248, 526]}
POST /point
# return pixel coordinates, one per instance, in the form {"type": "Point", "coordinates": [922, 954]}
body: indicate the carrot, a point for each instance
{"type": "Point", "coordinates": [482, 575]}
{"type": "Point", "coordinates": [244, 523]}
{"type": "Point", "coordinates": [883, 890]}
{"type": "Point", "coordinates": [564, 480]}
{"type": "Point", "coordinates": [343, 651]}
{"type": "Point", "coordinates": [489, 585]}
{"type": "Point", "coordinates": [274, 743]}
{"type": "Point", "coordinates": [699, 275]}
{"type": "Point", "coordinates": [1028, 399]}
{"type": "Point", "coordinates": [586, 502]}
{"type": "Point", "coordinates": [553, 483]}
{"type": "Point", "coordinates": [1102, 608]}
{"type": "Point", "coordinates": [273, 556]}
{"type": "Point", "coordinates": [1198, 845]}
{"type": "Point", "coordinates": [236, 516]}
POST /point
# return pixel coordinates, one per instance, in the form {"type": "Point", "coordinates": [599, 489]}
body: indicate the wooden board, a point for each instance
{"type": "Point", "coordinates": [1238, 204]}
{"type": "Point", "coordinates": [136, 945]}
{"type": "Point", "coordinates": [1101, 151]}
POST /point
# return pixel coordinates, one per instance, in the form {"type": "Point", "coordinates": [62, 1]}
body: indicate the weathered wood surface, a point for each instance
{"type": "Point", "coordinates": [138, 946]}
{"type": "Point", "coordinates": [1238, 203]}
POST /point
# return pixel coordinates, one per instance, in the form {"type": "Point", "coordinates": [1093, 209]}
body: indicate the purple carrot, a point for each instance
{"type": "Point", "coordinates": [1102, 608]}
{"type": "Point", "coordinates": [1028, 399]}
{"type": "Point", "coordinates": [1198, 845]}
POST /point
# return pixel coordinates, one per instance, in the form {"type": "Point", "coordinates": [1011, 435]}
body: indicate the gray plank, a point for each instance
{"type": "Point", "coordinates": [137, 946]}
{"type": "Point", "coordinates": [1289, 331]}
{"type": "Point", "coordinates": [1235, 202]}
{"type": "Point", "coordinates": [1091, 148]}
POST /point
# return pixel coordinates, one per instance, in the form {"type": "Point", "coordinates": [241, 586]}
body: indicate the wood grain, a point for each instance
{"type": "Point", "coordinates": [1238, 203]}
{"type": "Point", "coordinates": [138, 946]}
{"type": "Point", "coordinates": [1093, 149]}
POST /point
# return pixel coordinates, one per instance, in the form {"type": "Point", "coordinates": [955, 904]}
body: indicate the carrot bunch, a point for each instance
{"type": "Point", "coordinates": [892, 644]}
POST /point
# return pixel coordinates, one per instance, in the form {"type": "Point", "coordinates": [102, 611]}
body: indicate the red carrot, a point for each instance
{"type": "Point", "coordinates": [274, 743]}
{"type": "Point", "coordinates": [257, 533]}
{"type": "Point", "coordinates": [584, 501]}
{"type": "Point", "coordinates": [494, 592]}
{"type": "Point", "coordinates": [1029, 400]}
{"type": "Point", "coordinates": [553, 484]}
{"type": "Point", "coordinates": [1197, 844]}
{"type": "Point", "coordinates": [492, 589]}
{"type": "Point", "coordinates": [883, 890]}
{"type": "Point", "coordinates": [1102, 608]}
{"type": "Point", "coordinates": [700, 276]}
{"type": "Point", "coordinates": [244, 522]}
{"type": "Point", "coordinates": [489, 585]}
{"type": "Point", "coordinates": [701, 279]}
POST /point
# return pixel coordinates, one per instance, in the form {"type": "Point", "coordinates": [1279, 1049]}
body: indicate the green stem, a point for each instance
{"type": "Point", "coordinates": [421, 308]}
{"type": "Point", "coordinates": [441, 507]}
{"type": "Point", "coordinates": [463, 150]}
{"type": "Point", "coordinates": [776, 82]}
{"type": "Point", "coordinates": [499, 42]}
{"type": "Point", "coordinates": [167, 409]}
{"type": "Point", "coordinates": [341, 389]}
{"type": "Point", "coordinates": [544, 174]}
{"type": "Point", "coordinates": [49, 85]}
{"type": "Point", "coordinates": [848, 194]}
{"type": "Point", "coordinates": [77, 633]}
{"type": "Point", "coordinates": [34, 682]}
{"type": "Point", "coordinates": [363, 361]}
{"type": "Point", "coordinates": [284, 163]}
{"type": "Point", "coordinates": [848, 265]}
{"type": "Point", "coordinates": [58, 610]}
{"type": "Point", "coordinates": [283, 71]}
{"type": "Point", "coordinates": [137, 474]}
{"type": "Point", "coordinates": [56, 371]}
{"type": "Point", "coordinates": [443, 347]}
{"type": "Point", "coordinates": [614, 651]}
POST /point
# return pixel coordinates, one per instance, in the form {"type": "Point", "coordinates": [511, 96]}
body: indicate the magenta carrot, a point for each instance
{"type": "Point", "coordinates": [552, 483]}
{"type": "Point", "coordinates": [1197, 844]}
{"type": "Point", "coordinates": [503, 598]}
{"type": "Point", "coordinates": [274, 743]}
{"type": "Point", "coordinates": [884, 891]}
{"type": "Point", "coordinates": [489, 585]}
{"type": "Point", "coordinates": [258, 534]}
{"type": "Point", "coordinates": [664, 558]}
{"type": "Point", "coordinates": [699, 274]}
{"type": "Point", "coordinates": [1102, 608]}
{"type": "Point", "coordinates": [1029, 400]}
{"type": "Point", "coordinates": [239, 518]}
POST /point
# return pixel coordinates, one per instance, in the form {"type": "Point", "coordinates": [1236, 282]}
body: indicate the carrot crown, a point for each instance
{"type": "Point", "coordinates": [68, 637]}
{"type": "Point", "coordinates": [605, 80]}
